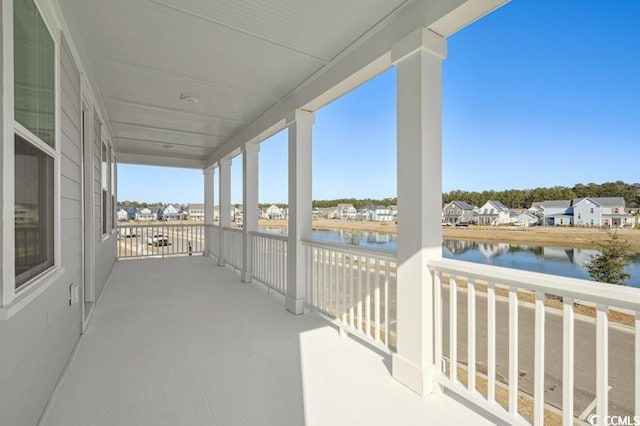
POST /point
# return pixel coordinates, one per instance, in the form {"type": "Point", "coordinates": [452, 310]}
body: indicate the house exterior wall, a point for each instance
{"type": "Point", "coordinates": [105, 245]}
{"type": "Point", "coordinates": [583, 215]}
{"type": "Point", "coordinates": [39, 339]}
{"type": "Point", "coordinates": [453, 213]}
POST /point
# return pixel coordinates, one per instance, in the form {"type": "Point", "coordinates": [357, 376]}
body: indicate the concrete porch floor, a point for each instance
{"type": "Point", "coordinates": [184, 342]}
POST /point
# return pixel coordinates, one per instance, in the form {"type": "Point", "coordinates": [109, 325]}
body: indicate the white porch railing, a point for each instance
{"type": "Point", "coordinates": [454, 279]}
{"type": "Point", "coordinates": [232, 250]}
{"type": "Point", "coordinates": [270, 260]}
{"type": "Point", "coordinates": [356, 288]}
{"type": "Point", "coordinates": [214, 240]}
{"type": "Point", "coordinates": [160, 239]}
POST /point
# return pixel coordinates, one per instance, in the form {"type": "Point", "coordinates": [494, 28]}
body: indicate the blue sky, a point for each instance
{"type": "Point", "coordinates": [538, 93]}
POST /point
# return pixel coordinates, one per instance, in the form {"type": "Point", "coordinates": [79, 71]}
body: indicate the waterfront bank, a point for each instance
{"type": "Point", "coordinates": [534, 236]}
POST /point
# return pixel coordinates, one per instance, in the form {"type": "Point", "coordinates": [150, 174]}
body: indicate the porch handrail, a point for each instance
{"type": "Point", "coordinates": [232, 250]}
{"type": "Point", "coordinates": [269, 235]}
{"type": "Point", "coordinates": [578, 289]}
{"type": "Point", "coordinates": [159, 239]}
{"type": "Point", "coordinates": [355, 288]}
{"type": "Point", "coordinates": [230, 229]}
{"type": "Point", "coordinates": [269, 254]}
{"type": "Point", "coordinates": [450, 275]}
{"type": "Point", "coordinates": [355, 250]}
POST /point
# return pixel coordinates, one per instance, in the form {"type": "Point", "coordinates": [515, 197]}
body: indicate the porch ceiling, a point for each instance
{"type": "Point", "coordinates": [241, 59]}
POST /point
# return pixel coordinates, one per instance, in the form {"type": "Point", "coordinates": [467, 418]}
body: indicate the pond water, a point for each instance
{"type": "Point", "coordinates": [564, 261]}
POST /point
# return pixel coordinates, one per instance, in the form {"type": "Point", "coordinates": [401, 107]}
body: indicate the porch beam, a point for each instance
{"type": "Point", "coordinates": [224, 181]}
{"type": "Point", "coordinates": [418, 59]}
{"type": "Point", "coordinates": [249, 206]}
{"type": "Point", "coordinates": [300, 125]}
{"type": "Point", "coordinates": [208, 175]}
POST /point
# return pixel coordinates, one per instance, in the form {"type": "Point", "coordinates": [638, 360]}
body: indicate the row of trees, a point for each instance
{"type": "Point", "coordinates": [358, 204]}
{"type": "Point", "coordinates": [512, 198]}
{"type": "Point", "coordinates": [522, 198]}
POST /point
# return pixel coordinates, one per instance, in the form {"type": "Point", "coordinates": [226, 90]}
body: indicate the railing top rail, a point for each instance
{"type": "Point", "coordinates": [344, 248]}
{"type": "Point", "coordinates": [583, 290]}
{"type": "Point", "coordinates": [157, 224]}
{"type": "Point", "coordinates": [228, 228]}
{"type": "Point", "coordinates": [267, 235]}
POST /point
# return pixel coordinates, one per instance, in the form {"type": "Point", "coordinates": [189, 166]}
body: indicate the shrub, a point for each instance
{"type": "Point", "coordinates": [608, 266]}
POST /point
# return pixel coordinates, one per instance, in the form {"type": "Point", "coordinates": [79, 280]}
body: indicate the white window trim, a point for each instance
{"type": "Point", "coordinates": [13, 300]}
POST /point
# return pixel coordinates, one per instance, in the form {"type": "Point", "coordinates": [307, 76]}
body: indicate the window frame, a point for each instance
{"type": "Point", "coordinates": [12, 299]}
{"type": "Point", "coordinates": [104, 176]}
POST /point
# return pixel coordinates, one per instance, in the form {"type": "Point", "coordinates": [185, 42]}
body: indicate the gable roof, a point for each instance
{"type": "Point", "coordinates": [196, 206]}
{"type": "Point", "coordinates": [556, 203]}
{"type": "Point", "coordinates": [603, 201]}
{"type": "Point", "coordinates": [463, 205]}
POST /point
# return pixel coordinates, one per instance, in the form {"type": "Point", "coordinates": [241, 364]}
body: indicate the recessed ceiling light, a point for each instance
{"type": "Point", "coordinates": [189, 99]}
{"type": "Point", "coordinates": [167, 146]}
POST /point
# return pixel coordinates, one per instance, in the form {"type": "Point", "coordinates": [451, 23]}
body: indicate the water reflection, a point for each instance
{"type": "Point", "coordinates": [568, 262]}
{"type": "Point", "coordinates": [565, 261]}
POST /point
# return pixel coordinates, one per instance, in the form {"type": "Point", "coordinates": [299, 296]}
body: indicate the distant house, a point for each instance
{"type": "Point", "coordinates": [196, 212]}
{"type": "Point", "coordinates": [273, 212]}
{"type": "Point", "coordinates": [492, 213]}
{"type": "Point", "coordinates": [527, 218]}
{"type": "Point", "coordinates": [122, 214]}
{"type": "Point", "coordinates": [148, 213]}
{"type": "Point", "coordinates": [377, 213]}
{"type": "Point", "coordinates": [394, 212]}
{"type": "Point", "coordinates": [558, 213]}
{"type": "Point", "coordinates": [457, 212]}
{"type": "Point", "coordinates": [327, 212]}
{"type": "Point", "coordinates": [236, 214]}
{"type": "Point", "coordinates": [346, 212]}
{"type": "Point", "coordinates": [606, 212]}
{"type": "Point", "coordinates": [173, 213]}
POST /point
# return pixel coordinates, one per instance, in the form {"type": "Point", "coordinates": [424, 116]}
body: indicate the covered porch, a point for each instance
{"type": "Point", "coordinates": [180, 342]}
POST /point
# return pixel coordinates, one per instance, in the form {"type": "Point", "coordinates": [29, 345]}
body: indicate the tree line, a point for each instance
{"type": "Point", "coordinates": [512, 198]}
{"type": "Point", "coordinates": [522, 198]}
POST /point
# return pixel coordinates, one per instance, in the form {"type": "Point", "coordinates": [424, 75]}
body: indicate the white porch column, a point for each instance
{"type": "Point", "coordinates": [418, 59]}
{"type": "Point", "coordinates": [300, 124]}
{"type": "Point", "coordinates": [208, 208]}
{"type": "Point", "coordinates": [249, 206]}
{"type": "Point", "coordinates": [224, 181]}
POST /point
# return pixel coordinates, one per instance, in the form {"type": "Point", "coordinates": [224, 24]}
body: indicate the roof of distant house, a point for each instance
{"type": "Point", "coordinates": [603, 201]}
{"type": "Point", "coordinates": [556, 203]}
{"type": "Point", "coordinates": [463, 205]}
{"type": "Point", "coordinates": [195, 206]}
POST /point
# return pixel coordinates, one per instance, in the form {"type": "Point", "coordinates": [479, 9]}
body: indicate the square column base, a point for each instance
{"type": "Point", "coordinates": [416, 378]}
{"type": "Point", "coordinates": [293, 305]}
{"type": "Point", "coordinates": [247, 277]}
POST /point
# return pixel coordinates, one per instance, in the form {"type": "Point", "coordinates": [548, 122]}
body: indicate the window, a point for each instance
{"type": "Point", "coordinates": [112, 183]}
{"type": "Point", "coordinates": [104, 178]}
{"type": "Point", "coordinates": [591, 210]}
{"type": "Point", "coordinates": [34, 72]}
{"type": "Point", "coordinates": [33, 211]}
{"type": "Point", "coordinates": [34, 143]}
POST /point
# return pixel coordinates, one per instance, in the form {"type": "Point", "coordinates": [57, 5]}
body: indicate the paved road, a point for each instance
{"type": "Point", "coordinates": [621, 353]}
